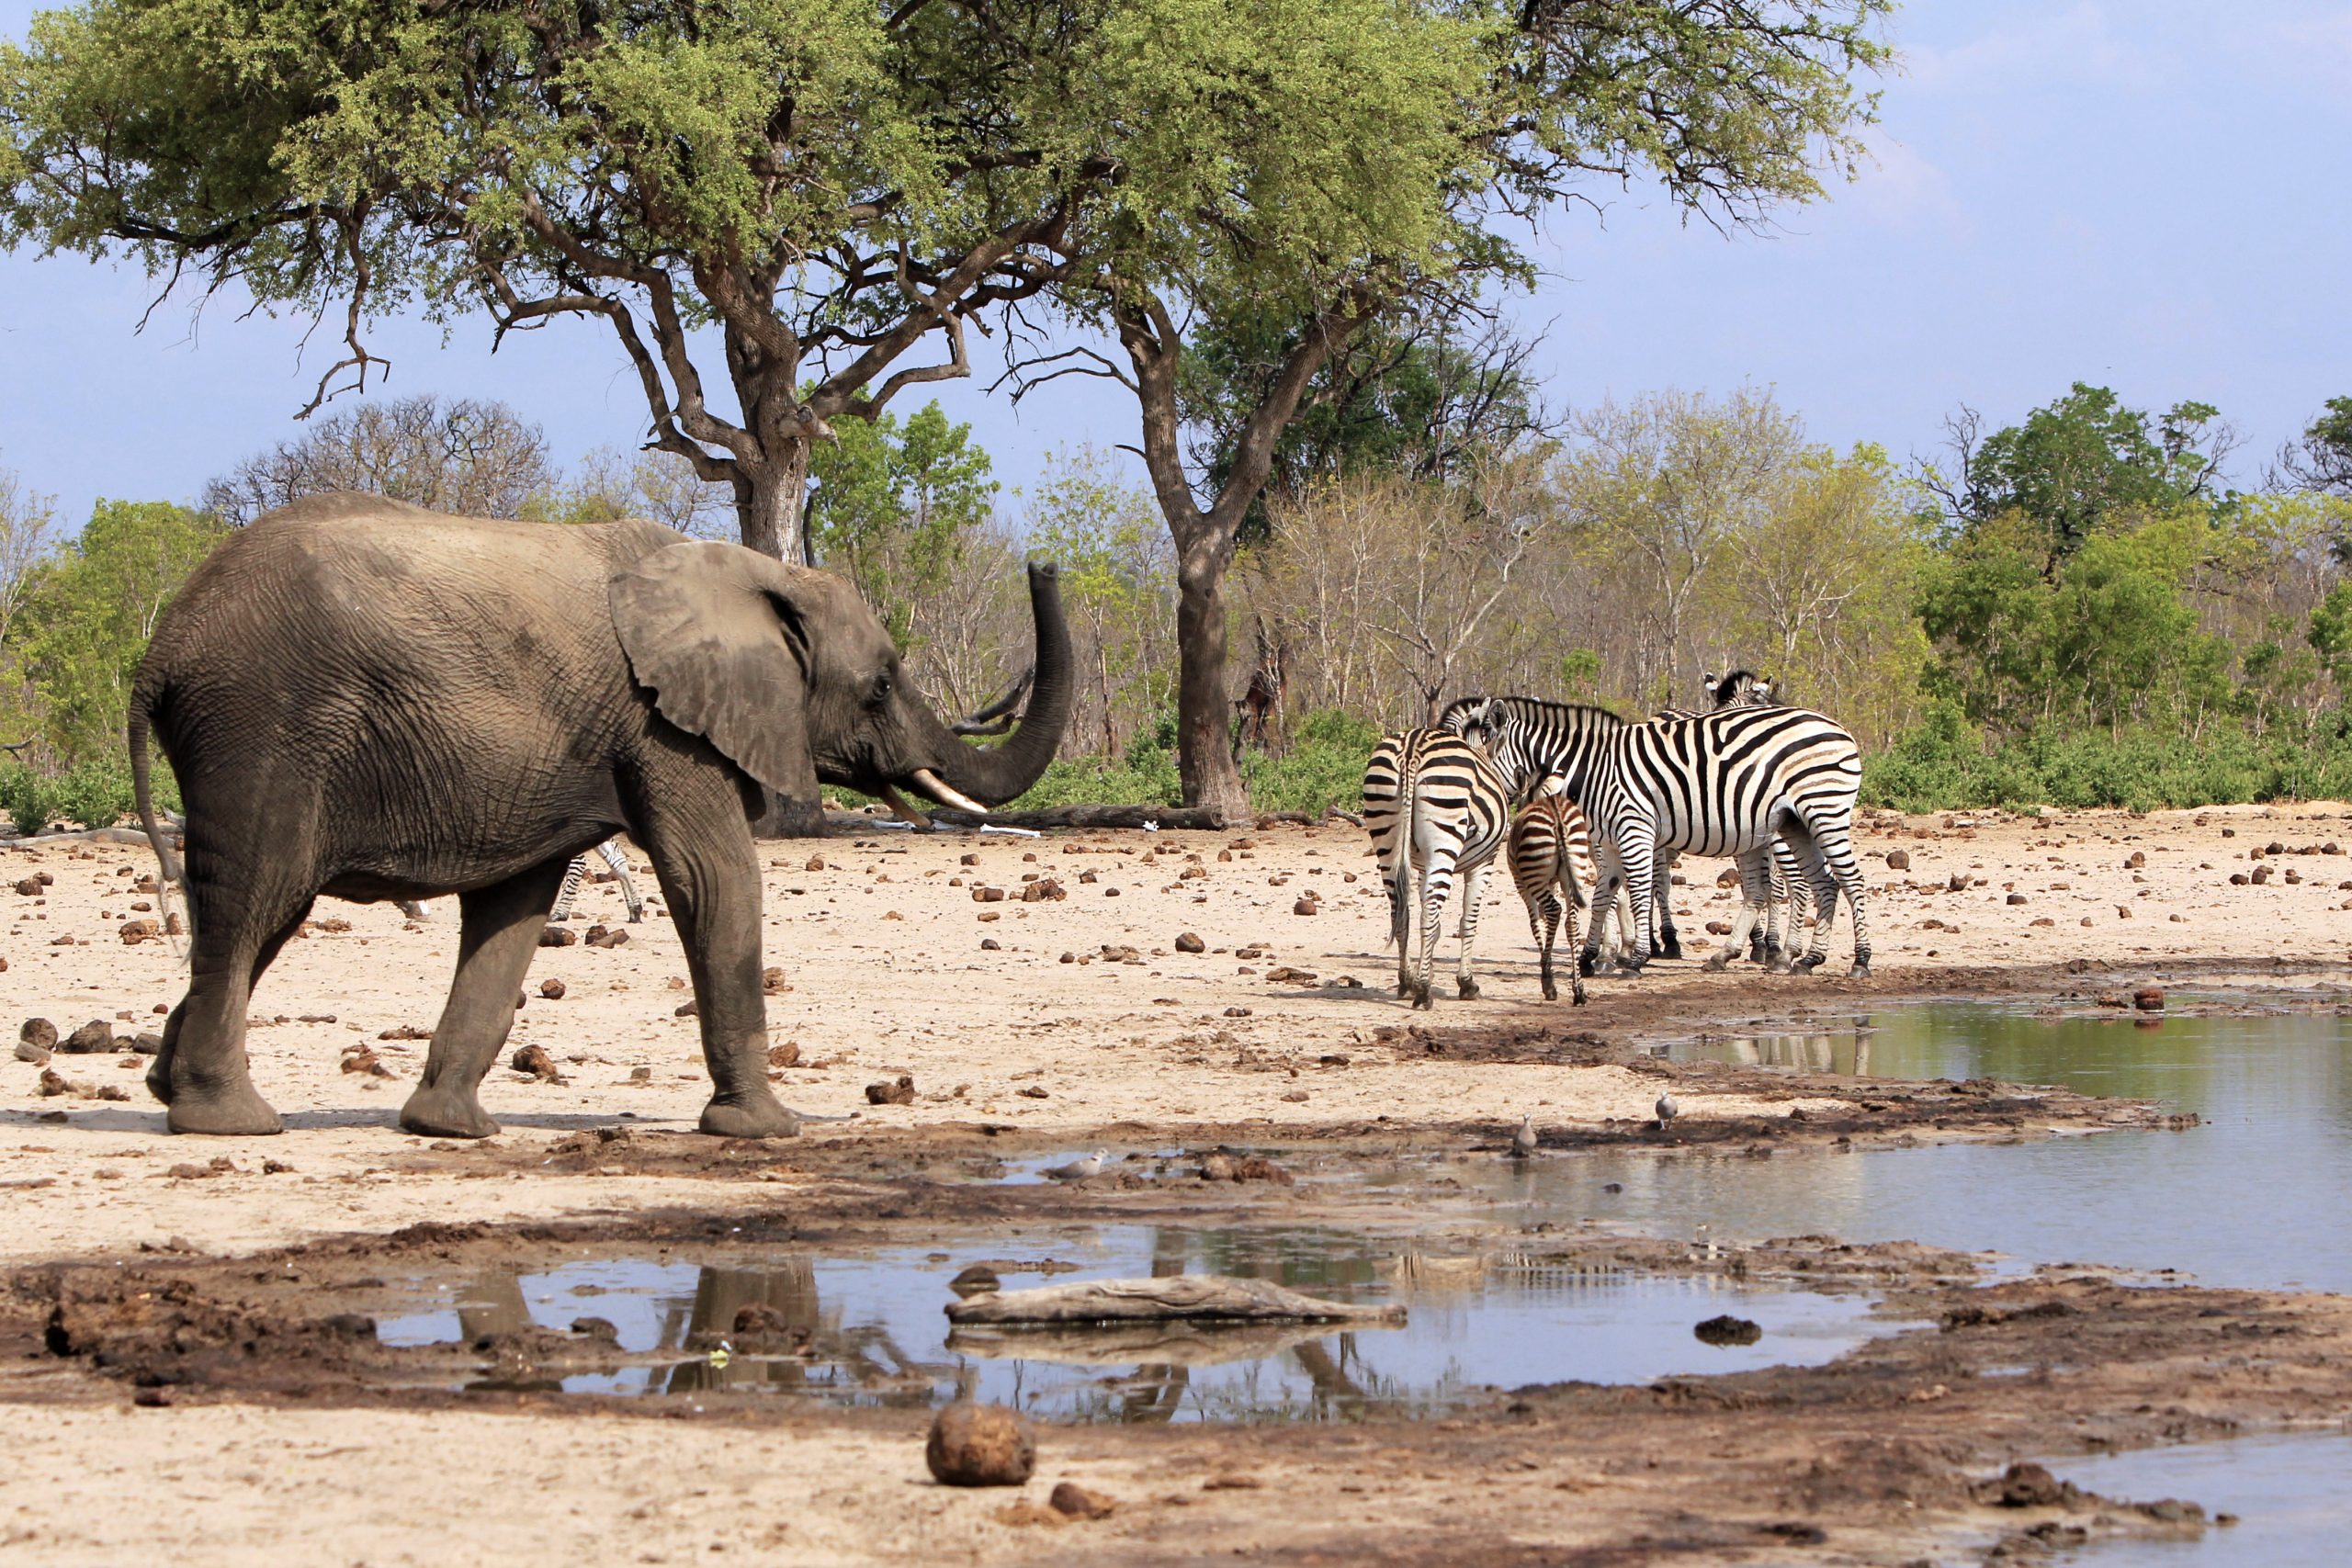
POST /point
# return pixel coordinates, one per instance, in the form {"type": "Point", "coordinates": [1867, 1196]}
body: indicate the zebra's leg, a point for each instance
{"type": "Point", "coordinates": [1575, 974]}
{"type": "Point", "coordinates": [572, 875]}
{"type": "Point", "coordinates": [1637, 855]}
{"type": "Point", "coordinates": [1834, 841]}
{"type": "Point", "coordinates": [1669, 944]}
{"type": "Point", "coordinates": [611, 850]}
{"type": "Point", "coordinates": [1609, 884]}
{"type": "Point", "coordinates": [1543, 925]}
{"type": "Point", "coordinates": [1437, 882]}
{"type": "Point", "coordinates": [1755, 895]}
{"type": "Point", "coordinates": [1823, 881]}
{"type": "Point", "coordinates": [1472, 895]}
{"type": "Point", "coordinates": [1400, 919]}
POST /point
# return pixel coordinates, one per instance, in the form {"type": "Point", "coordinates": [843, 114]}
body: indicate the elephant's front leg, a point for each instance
{"type": "Point", "coordinates": [502, 926]}
{"type": "Point", "coordinates": [712, 880]}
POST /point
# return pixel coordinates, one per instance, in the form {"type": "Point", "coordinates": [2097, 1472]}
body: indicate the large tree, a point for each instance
{"type": "Point", "coordinates": [478, 458]}
{"type": "Point", "coordinates": [786, 212]}
{"type": "Point", "coordinates": [1488, 114]}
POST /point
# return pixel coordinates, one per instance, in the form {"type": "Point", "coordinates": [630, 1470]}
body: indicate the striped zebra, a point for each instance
{"type": "Point", "coordinates": [1722, 783]}
{"type": "Point", "coordinates": [1551, 851]}
{"type": "Point", "coordinates": [610, 850]}
{"type": "Point", "coordinates": [1433, 803]}
{"type": "Point", "coordinates": [1745, 688]}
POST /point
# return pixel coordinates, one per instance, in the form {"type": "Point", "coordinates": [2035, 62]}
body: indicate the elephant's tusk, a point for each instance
{"type": "Point", "coordinates": [891, 798]}
{"type": "Point", "coordinates": [932, 785]}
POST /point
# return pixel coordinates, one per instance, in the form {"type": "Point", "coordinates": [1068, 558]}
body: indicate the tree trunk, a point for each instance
{"type": "Point", "coordinates": [771, 503]}
{"type": "Point", "coordinates": [771, 508]}
{"type": "Point", "coordinates": [1205, 761]}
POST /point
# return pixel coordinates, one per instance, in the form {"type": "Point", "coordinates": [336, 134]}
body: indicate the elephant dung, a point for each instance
{"type": "Point", "coordinates": [1188, 943]}
{"type": "Point", "coordinates": [556, 936]}
{"type": "Point", "coordinates": [535, 1061]}
{"type": "Point", "coordinates": [38, 1031]}
{"type": "Point", "coordinates": [133, 933]}
{"type": "Point", "coordinates": [28, 885]}
{"type": "Point", "coordinates": [980, 1445]}
{"type": "Point", "coordinates": [785, 1056]}
{"type": "Point", "coordinates": [1898, 860]}
{"type": "Point", "coordinates": [1305, 906]}
{"type": "Point", "coordinates": [900, 1092]}
{"type": "Point", "coordinates": [552, 989]}
{"type": "Point", "coordinates": [148, 1044]}
{"type": "Point", "coordinates": [987, 895]}
{"type": "Point", "coordinates": [1077, 1502]}
{"type": "Point", "coordinates": [90, 1038]}
{"type": "Point", "coordinates": [771, 981]}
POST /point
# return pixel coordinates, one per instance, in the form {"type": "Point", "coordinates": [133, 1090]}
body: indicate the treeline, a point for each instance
{"type": "Point", "coordinates": [2078, 609]}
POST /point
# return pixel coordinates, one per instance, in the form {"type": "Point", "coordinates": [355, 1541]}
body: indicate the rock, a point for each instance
{"type": "Point", "coordinates": [28, 886]}
{"type": "Point", "coordinates": [133, 933]}
{"type": "Point", "coordinates": [902, 1092]}
{"type": "Point", "coordinates": [1287, 976]}
{"type": "Point", "coordinates": [1217, 1167]}
{"type": "Point", "coordinates": [90, 1040]}
{"type": "Point", "coordinates": [1257, 1167]}
{"type": "Point", "coordinates": [363, 1059]}
{"type": "Point", "coordinates": [1898, 860]}
{"type": "Point", "coordinates": [552, 989]}
{"type": "Point", "coordinates": [600, 1328]}
{"type": "Point", "coordinates": [987, 895]}
{"type": "Point", "coordinates": [1188, 943]}
{"type": "Point", "coordinates": [38, 1031]}
{"type": "Point", "coordinates": [1727, 1329]}
{"type": "Point", "coordinates": [2149, 999]}
{"type": "Point", "coordinates": [814, 863]}
{"type": "Point", "coordinates": [1305, 906]}
{"type": "Point", "coordinates": [28, 1052]}
{"type": "Point", "coordinates": [990, 944]}
{"type": "Point", "coordinates": [2135, 861]}
{"type": "Point", "coordinates": [980, 1277]}
{"type": "Point", "coordinates": [2014, 898]}
{"type": "Point", "coordinates": [535, 1060]}
{"type": "Point", "coordinates": [772, 982]}
{"type": "Point", "coordinates": [980, 1445]}
{"type": "Point", "coordinates": [556, 936]}
{"type": "Point", "coordinates": [968, 859]}
{"type": "Point", "coordinates": [1081, 1503]}
{"type": "Point", "coordinates": [1719, 927]}
{"type": "Point", "coordinates": [52, 1084]}
{"type": "Point", "coordinates": [761, 1317]}
{"type": "Point", "coordinates": [2026, 1487]}
{"type": "Point", "coordinates": [1956, 882]}
{"type": "Point", "coordinates": [1032, 1091]}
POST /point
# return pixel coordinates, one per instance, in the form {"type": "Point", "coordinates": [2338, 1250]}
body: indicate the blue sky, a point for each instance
{"type": "Point", "coordinates": [2142, 193]}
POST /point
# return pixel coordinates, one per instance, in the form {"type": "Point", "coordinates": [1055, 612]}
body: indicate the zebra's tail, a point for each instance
{"type": "Point", "coordinates": [1400, 917]}
{"type": "Point", "coordinates": [166, 859]}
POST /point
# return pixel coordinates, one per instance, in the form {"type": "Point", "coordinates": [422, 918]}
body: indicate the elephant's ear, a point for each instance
{"type": "Point", "coordinates": [720, 635]}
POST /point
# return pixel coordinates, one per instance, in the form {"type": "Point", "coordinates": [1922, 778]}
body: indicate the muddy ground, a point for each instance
{"type": "Point", "coordinates": [220, 1283]}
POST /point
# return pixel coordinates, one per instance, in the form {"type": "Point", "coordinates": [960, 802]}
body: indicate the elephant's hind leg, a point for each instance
{"type": "Point", "coordinates": [201, 1072]}
{"type": "Point", "coordinates": [502, 923]}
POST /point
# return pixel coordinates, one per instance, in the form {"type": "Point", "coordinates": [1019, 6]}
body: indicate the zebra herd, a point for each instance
{"type": "Point", "coordinates": [1603, 806]}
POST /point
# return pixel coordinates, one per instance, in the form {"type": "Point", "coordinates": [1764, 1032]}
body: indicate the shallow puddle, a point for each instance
{"type": "Point", "coordinates": [2292, 1497]}
{"type": "Point", "coordinates": [2252, 1196]}
{"type": "Point", "coordinates": [871, 1330]}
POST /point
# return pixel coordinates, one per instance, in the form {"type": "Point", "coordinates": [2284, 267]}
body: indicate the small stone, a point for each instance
{"type": "Point", "coordinates": [1187, 942]}
{"type": "Point", "coordinates": [1305, 906]}
{"type": "Point", "coordinates": [814, 862]}
{"type": "Point", "coordinates": [1032, 1091]}
{"type": "Point", "coordinates": [52, 1083]}
{"type": "Point", "coordinates": [1898, 860]}
{"type": "Point", "coordinates": [1727, 1329]}
{"type": "Point", "coordinates": [148, 1044]}
{"type": "Point", "coordinates": [980, 1445]}
{"type": "Point", "coordinates": [2016, 899]}
{"type": "Point", "coordinates": [990, 944]}
{"type": "Point", "coordinates": [2026, 1487]}
{"type": "Point", "coordinates": [968, 859]}
{"type": "Point", "coordinates": [28, 1052]}
{"type": "Point", "coordinates": [28, 886]}
{"type": "Point", "coordinates": [38, 1031]}
{"type": "Point", "coordinates": [90, 1040]}
{"type": "Point", "coordinates": [772, 983]}
{"type": "Point", "coordinates": [2135, 861]}
{"type": "Point", "coordinates": [552, 989]}
{"type": "Point", "coordinates": [598, 1328]}
{"type": "Point", "coordinates": [1081, 1503]}
{"type": "Point", "coordinates": [761, 1318]}
{"type": "Point", "coordinates": [987, 895]}
{"type": "Point", "coordinates": [901, 1092]}
{"type": "Point", "coordinates": [535, 1060]}
{"type": "Point", "coordinates": [974, 1281]}
{"type": "Point", "coordinates": [557, 936]}
{"type": "Point", "coordinates": [133, 933]}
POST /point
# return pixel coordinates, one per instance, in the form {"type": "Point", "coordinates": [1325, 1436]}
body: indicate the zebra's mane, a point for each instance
{"type": "Point", "coordinates": [1581, 715]}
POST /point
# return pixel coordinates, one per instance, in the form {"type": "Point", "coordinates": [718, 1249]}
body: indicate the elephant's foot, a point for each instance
{"type": "Point", "coordinates": [438, 1112]}
{"type": "Point", "coordinates": [159, 1076]}
{"type": "Point", "coordinates": [232, 1111]}
{"type": "Point", "coordinates": [752, 1114]}
{"type": "Point", "coordinates": [1467, 986]}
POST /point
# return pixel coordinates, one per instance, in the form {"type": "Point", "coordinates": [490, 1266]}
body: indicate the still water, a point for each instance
{"type": "Point", "coordinates": [2292, 1497]}
{"type": "Point", "coordinates": [2256, 1196]}
{"type": "Point", "coordinates": [875, 1332]}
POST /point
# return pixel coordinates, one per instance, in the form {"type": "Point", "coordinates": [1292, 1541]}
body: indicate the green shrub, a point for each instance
{"type": "Point", "coordinates": [97, 794]}
{"type": "Point", "coordinates": [31, 799]}
{"type": "Point", "coordinates": [1323, 768]}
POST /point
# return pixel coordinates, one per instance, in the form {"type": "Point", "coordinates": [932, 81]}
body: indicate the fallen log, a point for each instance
{"type": "Point", "coordinates": [1198, 1298]}
{"type": "Point", "coordinates": [1171, 1343]}
{"type": "Point", "coordinates": [1189, 817]}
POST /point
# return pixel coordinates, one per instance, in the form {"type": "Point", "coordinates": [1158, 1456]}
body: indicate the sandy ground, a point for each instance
{"type": "Point", "coordinates": [1043, 1035]}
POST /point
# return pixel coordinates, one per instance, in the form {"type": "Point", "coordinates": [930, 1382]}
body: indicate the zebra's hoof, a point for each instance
{"type": "Point", "coordinates": [1861, 969]}
{"type": "Point", "coordinates": [1579, 996]}
{"type": "Point", "coordinates": [1589, 962]}
{"type": "Point", "coordinates": [1467, 986]}
{"type": "Point", "coordinates": [1805, 966]}
{"type": "Point", "coordinates": [1670, 948]}
{"type": "Point", "coordinates": [1421, 1001]}
{"type": "Point", "coordinates": [1551, 992]}
{"type": "Point", "coordinates": [1715, 964]}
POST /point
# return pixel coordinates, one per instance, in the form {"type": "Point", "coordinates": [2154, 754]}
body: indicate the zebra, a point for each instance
{"type": "Point", "coordinates": [1432, 800]}
{"type": "Point", "coordinates": [610, 850]}
{"type": "Point", "coordinates": [1551, 849]}
{"type": "Point", "coordinates": [1722, 783]}
{"type": "Point", "coordinates": [1745, 688]}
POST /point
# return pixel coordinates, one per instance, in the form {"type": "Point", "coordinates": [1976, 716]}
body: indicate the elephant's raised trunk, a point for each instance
{"type": "Point", "coordinates": [997, 774]}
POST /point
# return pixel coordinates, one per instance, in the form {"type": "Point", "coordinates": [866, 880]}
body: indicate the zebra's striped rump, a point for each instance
{"type": "Point", "coordinates": [1433, 805]}
{"type": "Point", "coordinates": [1551, 853]}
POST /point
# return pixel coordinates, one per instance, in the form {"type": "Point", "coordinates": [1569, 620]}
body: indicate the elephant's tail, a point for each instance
{"type": "Point", "coordinates": [175, 873]}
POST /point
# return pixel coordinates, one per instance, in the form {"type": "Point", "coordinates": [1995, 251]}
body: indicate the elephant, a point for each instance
{"type": "Point", "coordinates": [373, 701]}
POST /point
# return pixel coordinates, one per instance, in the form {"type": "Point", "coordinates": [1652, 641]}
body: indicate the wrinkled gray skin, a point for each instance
{"type": "Point", "coordinates": [373, 701]}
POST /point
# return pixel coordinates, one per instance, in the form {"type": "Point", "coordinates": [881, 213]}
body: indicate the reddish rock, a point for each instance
{"type": "Point", "coordinates": [1079, 1502]}
{"type": "Point", "coordinates": [556, 936]}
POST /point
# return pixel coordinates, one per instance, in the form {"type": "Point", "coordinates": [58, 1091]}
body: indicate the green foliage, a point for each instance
{"type": "Point", "coordinates": [30, 797]}
{"type": "Point", "coordinates": [88, 616]}
{"type": "Point", "coordinates": [894, 504]}
{"type": "Point", "coordinates": [1323, 766]}
{"type": "Point", "coordinates": [93, 794]}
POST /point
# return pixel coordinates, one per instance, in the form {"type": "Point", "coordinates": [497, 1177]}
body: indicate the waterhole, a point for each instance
{"type": "Point", "coordinates": [870, 1329]}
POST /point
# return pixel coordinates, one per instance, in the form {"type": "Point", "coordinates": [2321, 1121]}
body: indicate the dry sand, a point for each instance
{"type": "Point", "coordinates": [883, 948]}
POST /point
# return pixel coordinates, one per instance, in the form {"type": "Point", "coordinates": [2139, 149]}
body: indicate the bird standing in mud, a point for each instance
{"type": "Point", "coordinates": [1522, 1143]}
{"type": "Point", "coordinates": [1667, 1110]}
{"type": "Point", "coordinates": [1079, 1170]}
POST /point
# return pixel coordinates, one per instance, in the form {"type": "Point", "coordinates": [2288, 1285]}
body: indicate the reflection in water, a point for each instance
{"type": "Point", "coordinates": [871, 1331]}
{"type": "Point", "coordinates": [2292, 1497]}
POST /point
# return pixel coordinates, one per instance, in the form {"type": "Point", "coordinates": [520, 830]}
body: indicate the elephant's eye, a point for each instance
{"type": "Point", "coordinates": [881, 687]}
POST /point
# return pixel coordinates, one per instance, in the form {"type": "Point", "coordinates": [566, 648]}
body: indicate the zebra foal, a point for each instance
{"type": "Point", "coordinates": [1551, 852]}
{"type": "Point", "coordinates": [1433, 803]}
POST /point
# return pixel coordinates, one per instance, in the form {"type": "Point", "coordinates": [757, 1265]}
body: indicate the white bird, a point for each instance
{"type": "Point", "coordinates": [1079, 1170]}
{"type": "Point", "coordinates": [1522, 1143]}
{"type": "Point", "coordinates": [1667, 1110]}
